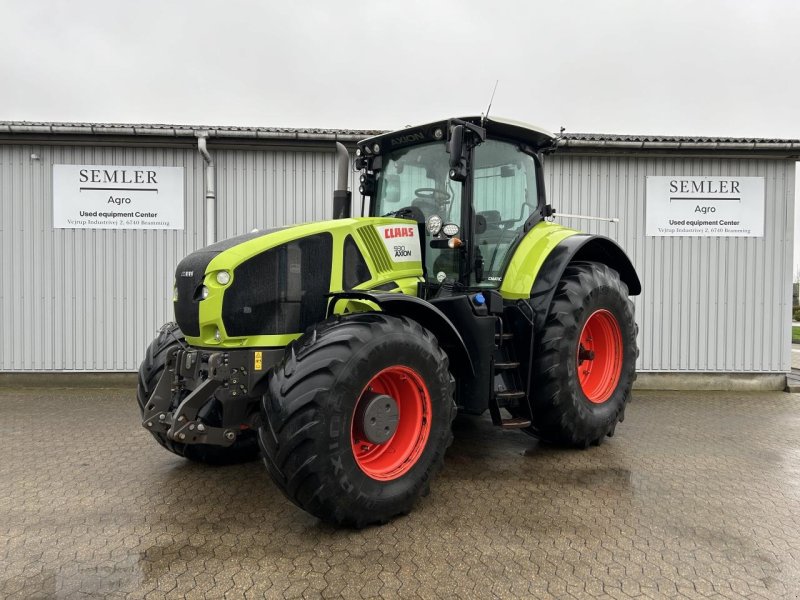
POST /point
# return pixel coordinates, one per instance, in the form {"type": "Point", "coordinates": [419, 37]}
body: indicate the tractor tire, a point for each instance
{"type": "Point", "coordinates": [319, 404]}
{"type": "Point", "coordinates": [584, 367]}
{"type": "Point", "coordinates": [244, 449]}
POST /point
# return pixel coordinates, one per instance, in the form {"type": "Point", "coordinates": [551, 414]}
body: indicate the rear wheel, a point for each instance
{"type": "Point", "coordinates": [244, 449]}
{"type": "Point", "coordinates": [585, 364]}
{"type": "Point", "coordinates": [357, 418]}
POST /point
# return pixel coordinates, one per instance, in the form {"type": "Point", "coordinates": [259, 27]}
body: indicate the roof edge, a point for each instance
{"type": "Point", "coordinates": [184, 131]}
{"type": "Point", "coordinates": [576, 141]}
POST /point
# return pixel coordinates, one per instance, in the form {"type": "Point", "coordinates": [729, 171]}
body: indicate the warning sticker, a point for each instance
{"type": "Point", "coordinates": [401, 241]}
{"type": "Point", "coordinates": [257, 362]}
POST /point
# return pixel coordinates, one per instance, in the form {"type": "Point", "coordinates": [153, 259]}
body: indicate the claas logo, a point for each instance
{"type": "Point", "coordinates": [396, 232]}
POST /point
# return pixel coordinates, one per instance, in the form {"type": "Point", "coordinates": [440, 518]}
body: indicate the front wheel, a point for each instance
{"type": "Point", "coordinates": [357, 418]}
{"type": "Point", "coordinates": [584, 366]}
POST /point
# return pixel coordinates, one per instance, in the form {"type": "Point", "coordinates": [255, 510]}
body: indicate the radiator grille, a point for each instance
{"type": "Point", "coordinates": [189, 280]}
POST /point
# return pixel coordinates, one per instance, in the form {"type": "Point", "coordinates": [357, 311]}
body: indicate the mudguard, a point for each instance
{"type": "Point", "coordinates": [424, 313]}
{"type": "Point", "coordinates": [576, 248]}
{"type": "Point", "coordinates": [541, 257]}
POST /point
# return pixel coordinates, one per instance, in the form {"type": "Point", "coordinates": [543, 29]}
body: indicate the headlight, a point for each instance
{"type": "Point", "coordinates": [204, 293]}
{"type": "Point", "coordinates": [217, 335]}
{"type": "Point", "coordinates": [434, 224]}
{"type": "Point", "coordinates": [450, 229]}
{"type": "Point", "coordinates": [175, 294]}
{"type": "Point", "coordinates": [223, 277]}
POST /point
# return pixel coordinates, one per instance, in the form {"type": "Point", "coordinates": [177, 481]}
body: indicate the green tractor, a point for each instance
{"type": "Point", "coordinates": [342, 350]}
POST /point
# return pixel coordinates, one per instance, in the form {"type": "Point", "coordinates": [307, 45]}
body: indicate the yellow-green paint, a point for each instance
{"type": "Point", "coordinates": [405, 275]}
{"type": "Point", "coordinates": [529, 256]}
{"type": "Point", "coordinates": [517, 283]}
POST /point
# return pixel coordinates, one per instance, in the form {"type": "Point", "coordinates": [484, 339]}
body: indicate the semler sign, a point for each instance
{"type": "Point", "coordinates": [117, 197]}
{"type": "Point", "coordinates": [679, 205]}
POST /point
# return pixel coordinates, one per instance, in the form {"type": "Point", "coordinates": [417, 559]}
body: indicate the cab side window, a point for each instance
{"type": "Point", "coordinates": [505, 195]}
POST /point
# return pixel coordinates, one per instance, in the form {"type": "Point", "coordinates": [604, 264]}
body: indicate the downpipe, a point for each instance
{"type": "Point", "coordinates": [211, 191]}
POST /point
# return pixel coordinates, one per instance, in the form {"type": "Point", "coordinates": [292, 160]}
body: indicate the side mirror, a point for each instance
{"type": "Point", "coordinates": [458, 166]}
{"type": "Point", "coordinates": [456, 145]}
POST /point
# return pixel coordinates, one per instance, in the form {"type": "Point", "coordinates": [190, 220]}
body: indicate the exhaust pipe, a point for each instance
{"type": "Point", "coordinates": [341, 197]}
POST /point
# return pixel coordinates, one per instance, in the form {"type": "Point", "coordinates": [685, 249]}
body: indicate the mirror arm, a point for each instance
{"type": "Point", "coordinates": [476, 129]}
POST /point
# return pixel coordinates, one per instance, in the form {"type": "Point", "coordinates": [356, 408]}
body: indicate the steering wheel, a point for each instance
{"type": "Point", "coordinates": [432, 194]}
{"type": "Point", "coordinates": [507, 224]}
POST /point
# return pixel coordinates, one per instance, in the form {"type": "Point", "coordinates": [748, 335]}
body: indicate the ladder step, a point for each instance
{"type": "Point", "coordinates": [517, 423]}
{"type": "Point", "coordinates": [501, 366]}
{"type": "Point", "coordinates": [509, 395]}
{"type": "Point", "coordinates": [503, 337]}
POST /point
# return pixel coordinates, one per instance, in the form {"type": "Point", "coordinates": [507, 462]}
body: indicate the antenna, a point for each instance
{"type": "Point", "coordinates": [486, 116]}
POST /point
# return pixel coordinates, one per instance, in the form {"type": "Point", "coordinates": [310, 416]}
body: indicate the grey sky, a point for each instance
{"type": "Point", "coordinates": [679, 67]}
{"type": "Point", "coordinates": [702, 67]}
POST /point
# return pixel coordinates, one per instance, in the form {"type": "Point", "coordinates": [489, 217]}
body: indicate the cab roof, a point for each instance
{"type": "Point", "coordinates": [496, 127]}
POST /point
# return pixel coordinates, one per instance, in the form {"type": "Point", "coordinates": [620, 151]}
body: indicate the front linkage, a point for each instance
{"type": "Point", "coordinates": [194, 378]}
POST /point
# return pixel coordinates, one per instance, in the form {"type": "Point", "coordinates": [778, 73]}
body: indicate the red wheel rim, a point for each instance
{"type": "Point", "coordinates": [396, 456]}
{"type": "Point", "coordinates": [599, 356]}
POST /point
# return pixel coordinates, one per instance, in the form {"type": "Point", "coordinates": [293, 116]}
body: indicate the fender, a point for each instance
{"type": "Point", "coordinates": [578, 247]}
{"type": "Point", "coordinates": [424, 313]}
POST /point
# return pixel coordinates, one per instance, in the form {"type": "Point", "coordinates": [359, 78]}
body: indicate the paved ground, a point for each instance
{"type": "Point", "coordinates": [796, 356]}
{"type": "Point", "coordinates": [698, 495]}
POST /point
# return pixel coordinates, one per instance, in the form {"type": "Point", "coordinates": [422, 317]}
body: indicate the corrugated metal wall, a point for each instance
{"type": "Point", "coordinates": [709, 304]}
{"type": "Point", "coordinates": [268, 188]}
{"type": "Point", "coordinates": [92, 299]}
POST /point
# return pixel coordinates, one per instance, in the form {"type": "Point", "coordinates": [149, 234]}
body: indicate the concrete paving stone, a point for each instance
{"type": "Point", "coordinates": [696, 496]}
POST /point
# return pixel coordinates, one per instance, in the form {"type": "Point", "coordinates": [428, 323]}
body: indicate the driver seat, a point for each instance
{"type": "Point", "coordinates": [493, 233]}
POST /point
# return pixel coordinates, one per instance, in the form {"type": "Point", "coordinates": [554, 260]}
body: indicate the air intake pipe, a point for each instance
{"type": "Point", "coordinates": [341, 197]}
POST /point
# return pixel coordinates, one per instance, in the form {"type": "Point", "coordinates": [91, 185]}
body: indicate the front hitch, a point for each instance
{"type": "Point", "coordinates": [183, 424]}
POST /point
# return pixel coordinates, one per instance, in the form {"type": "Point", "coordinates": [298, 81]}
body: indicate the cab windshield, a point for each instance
{"type": "Point", "coordinates": [415, 180]}
{"type": "Point", "coordinates": [414, 183]}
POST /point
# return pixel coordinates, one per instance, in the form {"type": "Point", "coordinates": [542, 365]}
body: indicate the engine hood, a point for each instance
{"type": "Point", "coordinates": [264, 288]}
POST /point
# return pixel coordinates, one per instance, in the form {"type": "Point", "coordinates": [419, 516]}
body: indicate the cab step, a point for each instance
{"type": "Point", "coordinates": [516, 423]}
{"type": "Point", "coordinates": [503, 337]}
{"type": "Point", "coordinates": [504, 366]}
{"type": "Point", "coordinates": [509, 395]}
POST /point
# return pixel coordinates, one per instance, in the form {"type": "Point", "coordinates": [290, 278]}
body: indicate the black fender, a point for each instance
{"type": "Point", "coordinates": [424, 313]}
{"type": "Point", "coordinates": [580, 247]}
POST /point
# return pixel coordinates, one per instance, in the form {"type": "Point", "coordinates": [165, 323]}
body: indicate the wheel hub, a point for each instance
{"type": "Point", "coordinates": [389, 454]}
{"type": "Point", "coordinates": [599, 356]}
{"type": "Point", "coordinates": [379, 417]}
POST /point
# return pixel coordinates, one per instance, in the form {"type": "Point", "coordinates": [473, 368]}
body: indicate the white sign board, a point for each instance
{"type": "Point", "coordinates": [117, 197]}
{"type": "Point", "coordinates": [680, 205]}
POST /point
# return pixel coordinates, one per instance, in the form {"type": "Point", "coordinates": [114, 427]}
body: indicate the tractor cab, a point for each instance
{"type": "Point", "coordinates": [474, 185]}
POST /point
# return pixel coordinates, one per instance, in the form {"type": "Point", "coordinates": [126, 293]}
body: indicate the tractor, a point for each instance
{"type": "Point", "coordinates": [341, 351]}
